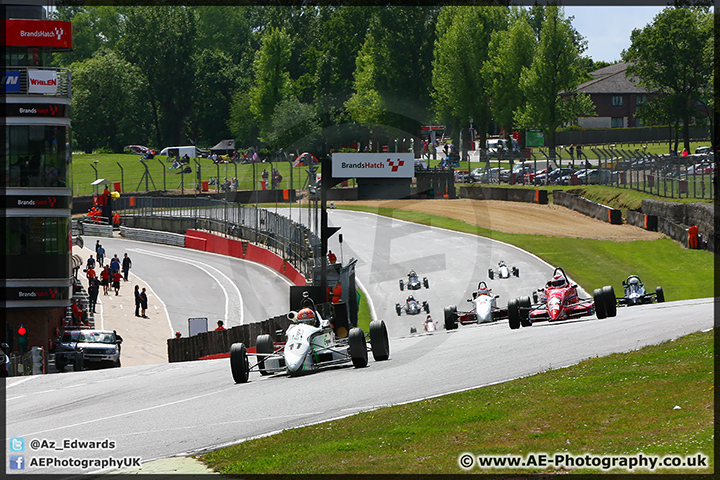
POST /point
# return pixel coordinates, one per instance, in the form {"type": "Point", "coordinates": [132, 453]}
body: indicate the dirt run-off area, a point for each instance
{"type": "Point", "coordinates": [518, 217]}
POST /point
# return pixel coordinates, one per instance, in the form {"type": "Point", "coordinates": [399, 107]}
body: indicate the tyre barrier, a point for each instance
{"type": "Point", "coordinates": [505, 194]}
{"type": "Point", "coordinates": [587, 207]}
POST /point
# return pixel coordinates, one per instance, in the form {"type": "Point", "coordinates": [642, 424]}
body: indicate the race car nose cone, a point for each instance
{"type": "Point", "coordinates": [554, 312]}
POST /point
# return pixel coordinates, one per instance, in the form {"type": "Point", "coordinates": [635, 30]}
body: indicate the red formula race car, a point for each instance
{"type": "Point", "coordinates": [559, 300]}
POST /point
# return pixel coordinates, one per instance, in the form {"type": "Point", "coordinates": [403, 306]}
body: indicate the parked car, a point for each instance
{"type": "Point", "coordinates": [503, 144]}
{"type": "Point", "coordinates": [97, 347]}
{"type": "Point", "coordinates": [462, 176]}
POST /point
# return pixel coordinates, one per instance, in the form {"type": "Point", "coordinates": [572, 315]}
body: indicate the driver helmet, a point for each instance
{"type": "Point", "coordinates": [411, 273]}
{"type": "Point", "coordinates": [558, 281]}
{"type": "Point", "coordinates": [411, 298]}
{"type": "Point", "coordinates": [306, 315]}
{"type": "Point", "coordinates": [428, 319]}
{"type": "Point", "coordinates": [634, 281]}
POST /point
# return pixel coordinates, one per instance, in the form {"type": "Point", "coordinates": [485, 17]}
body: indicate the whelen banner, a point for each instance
{"type": "Point", "coordinates": [42, 81]}
{"type": "Point", "coordinates": [38, 33]}
{"type": "Point", "coordinates": [373, 165]}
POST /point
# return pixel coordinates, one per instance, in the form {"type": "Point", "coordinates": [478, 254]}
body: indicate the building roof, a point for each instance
{"type": "Point", "coordinates": [612, 80]}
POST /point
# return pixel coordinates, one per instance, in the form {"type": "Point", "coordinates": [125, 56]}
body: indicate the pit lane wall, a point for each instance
{"type": "Point", "coordinates": [208, 242]}
{"type": "Point", "coordinates": [505, 194]}
{"type": "Point", "coordinates": [587, 207]}
{"type": "Point", "coordinates": [211, 343]}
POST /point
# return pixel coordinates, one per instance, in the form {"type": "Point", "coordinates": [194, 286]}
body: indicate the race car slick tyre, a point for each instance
{"type": "Point", "coordinates": [398, 309]}
{"type": "Point", "coordinates": [516, 271]}
{"type": "Point", "coordinates": [358, 348]}
{"type": "Point", "coordinates": [239, 363]}
{"type": "Point", "coordinates": [402, 285]}
{"type": "Point", "coordinates": [264, 344]}
{"type": "Point", "coordinates": [426, 282]}
{"type": "Point", "coordinates": [379, 340]}
{"type": "Point", "coordinates": [599, 302]}
{"type": "Point", "coordinates": [513, 314]}
{"type": "Point", "coordinates": [490, 274]}
{"type": "Point", "coordinates": [524, 311]}
{"type": "Point", "coordinates": [426, 307]}
{"type": "Point", "coordinates": [659, 294]}
{"type": "Point", "coordinates": [450, 314]}
{"type": "Point", "coordinates": [610, 302]}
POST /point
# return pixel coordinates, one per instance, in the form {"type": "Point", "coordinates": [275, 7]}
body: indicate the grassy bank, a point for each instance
{"type": "Point", "coordinates": [622, 404]}
{"type": "Point", "coordinates": [682, 273]}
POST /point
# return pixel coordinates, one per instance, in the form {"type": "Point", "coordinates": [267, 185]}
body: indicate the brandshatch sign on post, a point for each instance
{"type": "Point", "coordinates": [35, 110]}
{"type": "Point", "coordinates": [373, 165]}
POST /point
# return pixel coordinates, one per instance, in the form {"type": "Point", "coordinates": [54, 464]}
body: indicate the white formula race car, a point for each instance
{"type": "Point", "coordinates": [484, 309]}
{"type": "Point", "coordinates": [310, 345]}
{"type": "Point", "coordinates": [503, 271]}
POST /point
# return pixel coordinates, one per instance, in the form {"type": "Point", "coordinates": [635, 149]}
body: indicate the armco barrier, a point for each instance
{"type": "Point", "coordinates": [505, 194]}
{"type": "Point", "coordinates": [95, 230]}
{"type": "Point", "coordinates": [185, 349]}
{"type": "Point", "coordinates": [587, 207]}
{"type": "Point", "coordinates": [153, 236]}
{"type": "Point", "coordinates": [209, 242]}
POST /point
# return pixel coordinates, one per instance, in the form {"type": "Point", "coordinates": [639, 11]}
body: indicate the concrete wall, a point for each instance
{"type": "Point", "coordinates": [204, 344]}
{"type": "Point", "coordinates": [506, 194]}
{"type": "Point", "coordinates": [587, 207]}
{"type": "Point", "coordinates": [676, 217]}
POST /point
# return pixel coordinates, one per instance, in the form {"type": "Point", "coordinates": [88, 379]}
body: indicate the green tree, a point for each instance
{"type": "Point", "coordinates": [669, 56]}
{"type": "Point", "coordinates": [272, 80]}
{"type": "Point", "coordinates": [294, 126]}
{"type": "Point", "coordinates": [513, 50]}
{"type": "Point", "coordinates": [161, 42]}
{"type": "Point", "coordinates": [94, 28]}
{"type": "Point", "coordinates": [107, 103]}
{"type": "Point", "coordinates": [462, 47]}
{"type": "Point", "coordinates": [392, 74]}
{"type": "Point", "coordinates": [549, 83]}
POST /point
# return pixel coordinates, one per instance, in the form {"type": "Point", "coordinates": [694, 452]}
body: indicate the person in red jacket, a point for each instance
{"type": "Point", "coordinates": [117, 277]}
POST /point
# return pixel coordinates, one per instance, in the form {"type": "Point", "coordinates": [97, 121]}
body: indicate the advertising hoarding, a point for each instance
{"type": "Point", "coordinates": [38, 33]}
{"type": "Point", "coordinates": [373, 165]}
{"type": "Point", "coordinates": [10, 82]}
{"type": "Point", "coordinates": [42, 81]}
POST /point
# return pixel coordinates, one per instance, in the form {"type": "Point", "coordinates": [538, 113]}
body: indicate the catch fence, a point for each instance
{"type": "Point", "coordinates": [293, 241]}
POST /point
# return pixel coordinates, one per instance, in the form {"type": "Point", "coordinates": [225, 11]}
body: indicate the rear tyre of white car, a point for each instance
{"type": "Point", "coordinates": [513, 314]}
{"type": "Point", "coordinates": [264, 344]}
{"type": "Point", "coordinates": [599, 301]}
{"type": "Point", "coordinates": [659, 294]}
{"type": "Point", "coordinates": [524, 311]}
{"type": "Point", "coordinates": [426, 282]}
{"type": "Point", "coordinates": [491, 274]}
{"type": "Point", "coordinates": [357, 348]}
{"type": "Point", "coordinates": [610, 301]}
{"type": "Point", "coordinates": [426, 307]}
{"type": "Point", "coordinates": [379, 341]}
{"type": "Point", "coordinates": [398, 309]}
{"type": "Point", "coordinates": [402, 285]}
{"type": "Point", "coordinates": [239, 364]}
{"type": "Point", "coordinates": [451, 320]}
{"type": "Point", "coordinates": [516, 271]}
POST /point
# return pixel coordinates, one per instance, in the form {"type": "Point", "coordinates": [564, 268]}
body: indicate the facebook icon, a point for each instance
{"type": "Point", "coordinates": [17, 462]}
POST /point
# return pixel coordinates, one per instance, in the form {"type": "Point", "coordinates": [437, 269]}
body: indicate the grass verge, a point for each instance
{"type": "Point", "coordinates": [682, 273]}
{"type": "Point", "coordinates": [621, 404]}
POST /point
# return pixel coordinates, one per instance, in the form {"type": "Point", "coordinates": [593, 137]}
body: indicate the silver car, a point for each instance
{"type": "Point", "coordinates": [99, 346]}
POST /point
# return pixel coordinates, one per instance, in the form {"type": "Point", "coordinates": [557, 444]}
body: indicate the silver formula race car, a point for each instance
{"type": "Point", "coordinates": [484, 309]}
{"type": "Point", "coordinates": [412, 306]}
{"type": "Point", "coordinates": [310, 345]}
{"type": "Point", "coordinates": [635, 293]}
{"type": "Point", "coordinates": [503, 271]}
{"type": "Point", "coordinates": [413, 282]}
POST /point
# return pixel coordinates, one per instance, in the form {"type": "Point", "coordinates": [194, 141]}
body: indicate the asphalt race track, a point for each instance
{"type": "Point", "coordinates": [157, 411]}
{"type": "Point", "coordinates": [198, 284]}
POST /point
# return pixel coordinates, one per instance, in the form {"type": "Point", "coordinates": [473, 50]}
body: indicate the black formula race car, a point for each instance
{"type": "Point", "coordinates": [503, 271]}
{"type": "Point", "coordinates": [413, 282]}
{"type": "Point", "coordinates": [635, 293]}
{"type": "Point", "coordinates": [412, 306]}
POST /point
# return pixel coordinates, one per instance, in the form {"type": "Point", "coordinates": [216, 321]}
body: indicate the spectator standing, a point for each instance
{"type": "Point", "coordinates": [93, 291]}
{"type": "Point", "coordinates": [220, 326]}
{"type": "Point", "coordinates": [115, 265]}
{"type": "Point", "coordinates": [117, 277]}
{"type": "Point", "coordinates": [126, 264]}
{"type": "Point", "coordinates": [143, 303]}
{"type": "Point", "coordinates": [332, 258]}
{"type": "Point", "coordinates": [90, 262]}
{"type": "Point", "coordinates": [91, 275]}
{"type": "Point", "coordinates": [100, 251]}
{"type": "Point", "coordinates": [105, 279]}
{"type": "Point", "coordinates": [138, 301]}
